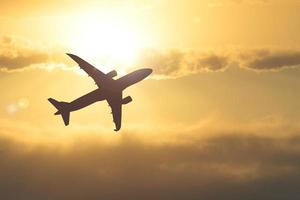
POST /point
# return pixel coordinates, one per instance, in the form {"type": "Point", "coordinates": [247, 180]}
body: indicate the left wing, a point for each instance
{"type": "Point", "coordinates": [115, 102]}
{"type": "Point", "coordinates": [98, 76]}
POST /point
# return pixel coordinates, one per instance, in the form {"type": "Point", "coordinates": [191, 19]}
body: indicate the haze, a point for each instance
{"type": "Point", "coordinates": [218, 118]}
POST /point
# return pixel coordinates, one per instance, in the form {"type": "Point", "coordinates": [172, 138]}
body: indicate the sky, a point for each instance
{"type": "Point", "coordinates": [217, 119]}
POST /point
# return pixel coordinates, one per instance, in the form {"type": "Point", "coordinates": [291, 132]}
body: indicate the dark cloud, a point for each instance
{"type": "Point", "coordinates": [21, 61]}
{"type": "Point", "coordinates": [168, 63]}
{"type": "Point", "coordinates": [17, 54]}
{"type": "Point", "coordinates": [212, 63]}
{"type": "Point", "coordinates": [232, 166]}
{"type": "Point", "coordinates": [178, 63]}
{"type": "Point", "coordinates": [265, 60]}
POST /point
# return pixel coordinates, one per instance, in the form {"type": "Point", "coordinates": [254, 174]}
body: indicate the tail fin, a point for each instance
{"type": "Point", "coordinates": [61, 110]}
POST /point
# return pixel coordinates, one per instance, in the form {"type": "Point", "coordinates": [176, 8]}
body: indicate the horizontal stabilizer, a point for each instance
{"type": "Point", "coordinates": [61, 110]}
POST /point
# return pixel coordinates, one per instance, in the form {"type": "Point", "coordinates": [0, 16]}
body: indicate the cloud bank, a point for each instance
{"type": "Point", "coordinates": [231, 165]}
{"type": "Point", "coordinates": [178, 63]}
{"type": "Point", "coordinates": [264, 60]}
{"type": "Point", "coordinates": [18, 54]}
{"type": "Point", "coordinates": [11, 62]}
{"type": "Point", "coordinates": [15, 55]}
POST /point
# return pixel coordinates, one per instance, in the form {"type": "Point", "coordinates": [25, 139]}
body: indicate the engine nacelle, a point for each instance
{"type": "Point", "coordinates": [112, 74]}
{"type": "Point", "coordinates": [127, 100]}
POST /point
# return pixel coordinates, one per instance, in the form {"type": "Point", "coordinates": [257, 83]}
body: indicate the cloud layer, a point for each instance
{"type": "Point", "coordinates": [21, 61]}
{"type": "Point", "coordinates": [175, 63]}
{"type": "Point", "coordinates": [264, 60]}
{"type": "Point", "coordinates": [179, 63]}
{"type": "Point", "coordinates": [17, 55]}
{"type": "Point", "coordinates": [226, 166]}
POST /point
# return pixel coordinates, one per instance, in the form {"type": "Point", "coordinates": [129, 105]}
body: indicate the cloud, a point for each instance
{"type": "Point", "coordinates": [169, 63]}
{"type": "Point", "coordinates": [264, 60]}
{"type": "Point", "coordinates": [18, 54]}
{"type": "Point", "coordinates": [243, 165]}
{"type": "Point", "coordinates": [21, 61]}
{"type": "Point", "coordinates": [212, 63]}
{"type": "Point", "coordinates": [174, 63]}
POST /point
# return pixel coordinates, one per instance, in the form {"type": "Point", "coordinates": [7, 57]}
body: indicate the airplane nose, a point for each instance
{"type": "Point", "coordinates": [148, 71]}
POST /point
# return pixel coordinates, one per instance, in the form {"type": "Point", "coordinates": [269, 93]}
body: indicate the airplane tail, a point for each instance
{"type": "Point", "coordinates": [61, 109]}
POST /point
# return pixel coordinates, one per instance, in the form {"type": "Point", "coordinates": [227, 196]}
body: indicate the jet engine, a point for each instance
{"type": "Point", "coordinates": [127, 100]}
{"type": "Point", "coordinates": [112, 74]}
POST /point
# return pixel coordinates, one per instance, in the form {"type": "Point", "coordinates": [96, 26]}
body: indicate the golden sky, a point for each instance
{"type": "Point", "coordinates": [218, 118]}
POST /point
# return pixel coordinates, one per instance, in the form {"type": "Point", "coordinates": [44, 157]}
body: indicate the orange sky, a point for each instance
{"type": "Point", "coordinates": [219, 116]}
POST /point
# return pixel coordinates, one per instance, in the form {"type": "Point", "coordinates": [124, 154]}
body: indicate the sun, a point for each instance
{"type": "Point", "coordinates": [108, 40]}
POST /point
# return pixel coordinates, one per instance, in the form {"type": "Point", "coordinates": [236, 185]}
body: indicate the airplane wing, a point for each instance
{"type": "Point", "coordinates": [115, 102]}
{"type": "Point", "coordinates": [98, 76]}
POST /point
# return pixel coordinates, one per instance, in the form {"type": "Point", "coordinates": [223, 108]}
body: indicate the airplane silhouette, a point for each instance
{"type": "Point", "coordinates": [108, 89]}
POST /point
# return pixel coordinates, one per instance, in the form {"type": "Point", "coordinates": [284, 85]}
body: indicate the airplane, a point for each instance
{"type": "Point", "coordinates": [108, 89]}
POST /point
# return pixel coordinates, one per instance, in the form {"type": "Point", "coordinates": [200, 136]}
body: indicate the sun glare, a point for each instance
{"type": "Point", "coordinates": [109, 41]}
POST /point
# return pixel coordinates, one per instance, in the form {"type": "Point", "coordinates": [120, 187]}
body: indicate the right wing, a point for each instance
{"type": "Point", "coordinates": [115, 102]}
{"type": "Point", "coordinates": [98, 76]}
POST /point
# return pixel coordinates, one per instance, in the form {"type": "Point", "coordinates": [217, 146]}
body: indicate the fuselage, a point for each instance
{"type": "Point", "coordinates": [112, 88]}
